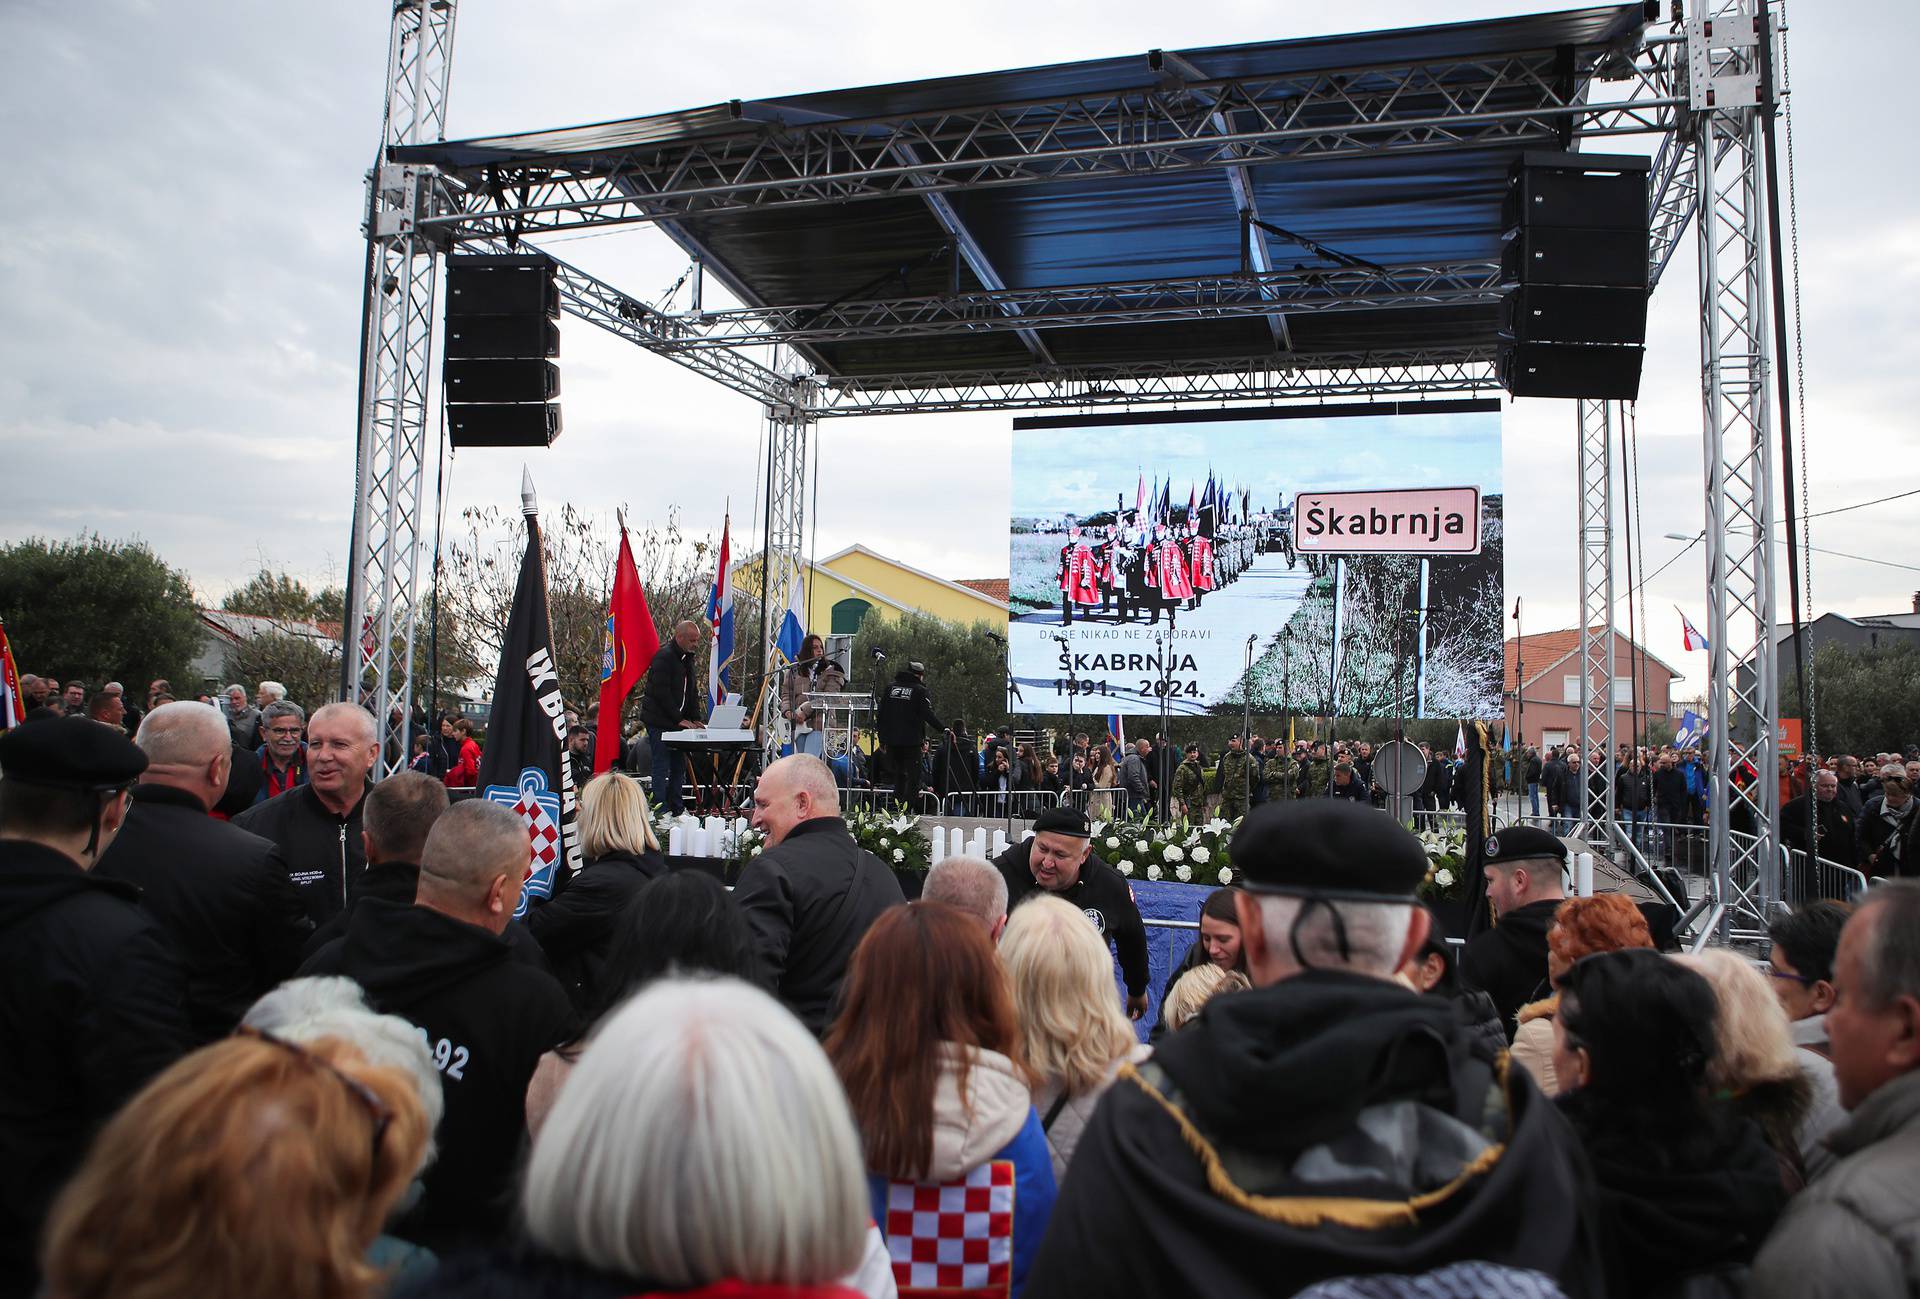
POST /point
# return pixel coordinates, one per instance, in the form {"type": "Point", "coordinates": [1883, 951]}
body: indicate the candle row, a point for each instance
{"type": "Point", "coordinates": [689, 836]}
{"type": "Point", "coordinates": [957, 842]}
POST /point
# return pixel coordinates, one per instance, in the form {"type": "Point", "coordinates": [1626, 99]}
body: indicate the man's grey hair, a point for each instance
{"type": "Point", "coordinates": [976, 887]}
{"type": "Point", "coordinates": [470, 844]}
{"type": "Point", "coordinates": [282, 708]}
{"type": "Point", "coordinates": [183, 735]}
{"type": "Point", "coordinates": [702, 1136]}
{"type": "Point", "coordinates": [363, 720]}
{"type": "Point", "coordinates": [1376, 933]}
{"type": "Point", "coordinates": [1890, 959]}
{"type": "Point", "coordinates": [229, 689]}
{"type": "Point", "coordinates": [400, 811]}
{"type": "Point", "coordinates": [803, 771]}
{"type": "Point", "coordinates": [305, 1010]}
{"type": "Point", "coordinates": [273, 690]}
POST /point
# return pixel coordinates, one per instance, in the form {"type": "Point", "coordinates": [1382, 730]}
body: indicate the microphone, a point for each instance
{"type": "Point", "coordinates": [879, 654]}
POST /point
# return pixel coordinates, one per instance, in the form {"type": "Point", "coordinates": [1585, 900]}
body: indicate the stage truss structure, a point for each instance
{"type": "Point", "coordinates": [1695, 86]}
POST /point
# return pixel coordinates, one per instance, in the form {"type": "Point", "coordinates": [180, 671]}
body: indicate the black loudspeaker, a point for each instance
{"type": "Point", "coordinates": [502, 380]}
{"type": "Point", "coordinates": [477, 337]}
{"type": "Point", "coordinates": [500, 340]}
{"type": "Point", "coordinates": [527, 424]}
{"type": "Point", "coordinates": [1573, 313]}
{"type": "Point", "coordinates": [1573, 322]}
{"type": "Point", "coordinates": [1596, 372]}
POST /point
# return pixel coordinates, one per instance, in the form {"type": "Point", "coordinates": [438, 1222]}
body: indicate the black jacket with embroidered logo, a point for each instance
{"type": "Point", "coordinates": [1330, 1125]}
{"type": "Point", "coordinates": [487, 1019]}
{"type": "Point", "coordinates": [94, 1006]}
{"type": "Point", "coordinates": [221, 896]}
{"type": "Point", "coordinates": [325, 856]}
{"type": "Point", "coordinates": [1101, 891]}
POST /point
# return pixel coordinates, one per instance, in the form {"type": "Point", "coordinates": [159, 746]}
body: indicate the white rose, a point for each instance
{"type": "Point", "coordinates": [758, 849]}
{"type": "Point", "coordinates": [1153, 872]}
{"type": "Point", "coordinates": [1113, 841]}
{"type": "Point", "coordinates": [885, 842]}
{"type": "Point", "coordinates": [1443, 877]}
{"type": "Point", "coordinates": [1126, 868]}
{"type": "Point", "coordinates": [1172, 852]}
{"type": "Point", "coordinates": [1183, 873]}
{"type": "Point", "coordinates": [1226, 875]}
{"type": "Point", "coordinates": [1142, 847]}
{"type": "Point", "coordinates": [1200, 856]}
{"type": "Point", "coordinates": [899, 854]}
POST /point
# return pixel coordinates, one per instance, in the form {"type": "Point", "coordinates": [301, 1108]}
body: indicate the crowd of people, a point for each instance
{"type": "Point", "coordinates": [310, 1051]}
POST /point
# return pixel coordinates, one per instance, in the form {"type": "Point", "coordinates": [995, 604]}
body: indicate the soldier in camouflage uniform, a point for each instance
{"type": "Point", "coordinates": [1190, 787]}
{"type": "Point", "coordinates": [1234, 780]}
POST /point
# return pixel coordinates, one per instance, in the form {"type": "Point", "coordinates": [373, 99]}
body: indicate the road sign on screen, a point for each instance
{"type": "Point", "coordinates": [1414, 521]}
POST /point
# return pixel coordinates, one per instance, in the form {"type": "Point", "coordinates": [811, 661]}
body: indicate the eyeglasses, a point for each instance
{"type": "Point", "coordinates": [285, 732]}
{"type": "Point", "coordinates": [376, 1108]}
{"type": "Point", "coordinates": [1800, 979]}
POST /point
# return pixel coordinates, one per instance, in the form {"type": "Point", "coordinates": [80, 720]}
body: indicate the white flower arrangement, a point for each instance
{"type": "Point", "coordinates": [1126, 868]}
{"type": "Point", "coordinates": [1153, 872]}
{"type": "Point", "coordinates": [1172, 853]}
{"type": "Point", "coordinates": [1226, 875]}
{"type": "Point", "coordinates": [1183, 873]}
{"type": "Point", "coordinates": [885, 842]}
{"type": "Point", "coordinates": [1443, 877]}
{"type": "Point", "coordinates": [901, 825]}
{"type": "Point", "coordinates": [1113, 841]}
{"type": "Point", "coordinates": [1219, 825]}
{"type": "Point", "coordinates": [1200, 856]}
{"type": "Point", "coordinates": [1142, 847]}
{"type": "Point", "coordinates": [899, 854]}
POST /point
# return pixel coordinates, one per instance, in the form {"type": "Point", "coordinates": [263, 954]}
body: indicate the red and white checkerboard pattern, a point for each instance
{"type": "Point", "coordinates": [542, 834]}
{"type": "Point", "coordinates": [955, 1239]}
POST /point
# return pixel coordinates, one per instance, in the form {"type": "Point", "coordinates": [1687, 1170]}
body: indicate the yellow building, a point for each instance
{"type": "Point", "coordinates": [847, 587]}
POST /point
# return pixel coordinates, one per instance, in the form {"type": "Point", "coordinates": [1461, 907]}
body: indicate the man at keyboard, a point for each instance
{"type": "Point", "coordinates": [671, 701]}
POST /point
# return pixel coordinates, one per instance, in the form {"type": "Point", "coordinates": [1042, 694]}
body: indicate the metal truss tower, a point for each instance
{"type": "Point", "coordinates": [784, 568]}
{"type": "Point", "coordinates": [395, 365]}
{"type": "Point", "coordinates": [1596, 619]}
{"type": "Point", "coordinates": [1726, 42]}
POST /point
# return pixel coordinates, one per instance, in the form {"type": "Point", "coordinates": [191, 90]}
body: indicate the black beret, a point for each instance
{"type": "Point", "coordinates": [1062, 820]}
{"type": "Point", "coordinates": [1519, 842]}
{"type": "Point", "coordinates": [1332, 847]}
{"type": "Point", "coordinates": [71, 752]}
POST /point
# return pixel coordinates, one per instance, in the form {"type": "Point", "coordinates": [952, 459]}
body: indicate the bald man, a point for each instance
{"type": "Point", "coordinates": [442, 964]}
{"type": "Point", "coordinates": [317, 826]}
{"type": "Point", "coordinates": [220, 894]}
{"type": "Point", "coordinates": [811, 895]}
{"type": "Point", "coordinates": [671, 701]}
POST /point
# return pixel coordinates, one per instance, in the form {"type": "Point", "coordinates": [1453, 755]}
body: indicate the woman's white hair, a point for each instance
{"type": "Point", "coordinates": [702, 1136]}
{"type": "Point", "coordinates": [303, 1010]}
{"type": "Point", "coordinates": [1062, 981]}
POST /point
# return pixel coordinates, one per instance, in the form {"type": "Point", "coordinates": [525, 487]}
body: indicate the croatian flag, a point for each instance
{"type": "Point", "coordinates": [1460, 740]}
{"type": "Point", "coordinates": [720, 620]}
{"type": "Point", "coordinates": [1690, 637]}
{"type": "Point", "coordinates": [793, 625]}
{"type": "Point", "coordinates": [1117, 730]}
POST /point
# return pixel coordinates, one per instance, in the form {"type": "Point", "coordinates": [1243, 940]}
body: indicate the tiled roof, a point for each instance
{"type": "Point", "coordinates": [994, 588]}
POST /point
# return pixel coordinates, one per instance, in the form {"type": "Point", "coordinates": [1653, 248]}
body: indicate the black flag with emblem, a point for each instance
{"type": "Point", "coordinates": [524, 766]}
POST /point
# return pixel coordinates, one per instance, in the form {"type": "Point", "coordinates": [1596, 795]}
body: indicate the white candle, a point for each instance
{"type": "Point", "coordinates": [698, 842]}
{"type": "Point", "coordinates": [677, 841]}
{"type": "Point", "coordinates": [939, 842]}
{"type": "Point", "coordinates": [999, 842]}
{"type": "Point", "coordinates": [979, 846]}
{"type": "Point", "coordinates": [1583, 879]}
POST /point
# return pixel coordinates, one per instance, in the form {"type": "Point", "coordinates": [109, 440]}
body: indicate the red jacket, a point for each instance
{"type": "Point", "coordinates": [466, 772]}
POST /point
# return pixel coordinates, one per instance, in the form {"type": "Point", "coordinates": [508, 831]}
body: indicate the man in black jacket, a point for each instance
{"type": "Point", "coordinates": [1059, 859]}
{"type": "Point", "coordinates": [1261, 1119]}
{"type": "Point", "coordinates": [903, 713]}
{"type": "Point", "coordinates": [442, 964]}
{"type": "Point", "coordinates": [317, 825]}
{"type": "Point", "coordinates": [810, 897]}
{"type": "Point", "coordinates": [395, 818]}
{"type": "Point", "coordinates": [1525, 869]}
{"type": "Point", "coordinates": [221, 895]}
{"type": "Point", "coordinates": [671, 701]}
{"type": "Point", "coordinates": [94, 998]}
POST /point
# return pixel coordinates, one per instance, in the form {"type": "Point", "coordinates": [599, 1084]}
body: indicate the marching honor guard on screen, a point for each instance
{"type": "Point", "coordinates": [1079, 576]}
{"type": "Point", "coordinates": [1171, 569]}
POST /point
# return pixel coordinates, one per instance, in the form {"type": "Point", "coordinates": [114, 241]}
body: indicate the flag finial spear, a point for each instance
{"type": "Point", "coordinates": [529, 503]}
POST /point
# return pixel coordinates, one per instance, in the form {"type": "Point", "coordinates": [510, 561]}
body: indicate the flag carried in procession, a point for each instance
{"type": "Point", "coordinates": [524, 767]}
{"type": "Point", "coordinates": [720, 619]}
{"type": "Point", "coordinates": [628, 647]}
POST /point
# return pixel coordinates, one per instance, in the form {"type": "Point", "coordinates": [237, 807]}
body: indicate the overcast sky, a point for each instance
{"type": "Point", "coordinates": [182, 265]}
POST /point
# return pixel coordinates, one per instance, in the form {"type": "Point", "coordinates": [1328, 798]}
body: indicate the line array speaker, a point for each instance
{"type": "Point", "coordinates": [1573, 322]}
{"type": "Point", "coordinates": [499, 379]}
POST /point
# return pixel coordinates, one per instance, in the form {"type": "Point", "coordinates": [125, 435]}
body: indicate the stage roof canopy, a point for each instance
{"type": "Point", "coordinates": [1322, 166]}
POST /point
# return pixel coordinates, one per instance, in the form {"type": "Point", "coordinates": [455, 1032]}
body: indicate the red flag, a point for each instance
{"type": "Point", "coordinates": [13, 707]}
{"type": "Point", "coordinates": [629, 646]}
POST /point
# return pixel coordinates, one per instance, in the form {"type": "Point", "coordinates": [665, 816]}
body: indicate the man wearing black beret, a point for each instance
{"type": "Point", "coordinates": [95, 1000]}
{"type": "Point", "coordinates": [1059, 859]}
{"type": "Point", "coordinates": [1328, 1123]}
{"type": "Point", "coordinates": [1525, 869]}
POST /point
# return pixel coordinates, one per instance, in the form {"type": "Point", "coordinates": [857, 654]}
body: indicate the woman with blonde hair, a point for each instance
{"type": "Point", "coordinates": [576, 926]}
{"type": "Point", "coordinates": [1075, 1034]}
{"type": "Point", "coordinates": [1754, 1070]}
{"type": "Point", "coordinates": [1606, 922]}
{"type": "Point", "coordinates": [255, 1166]}
{"type": "Point", "coordinates": [1193, 990]}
